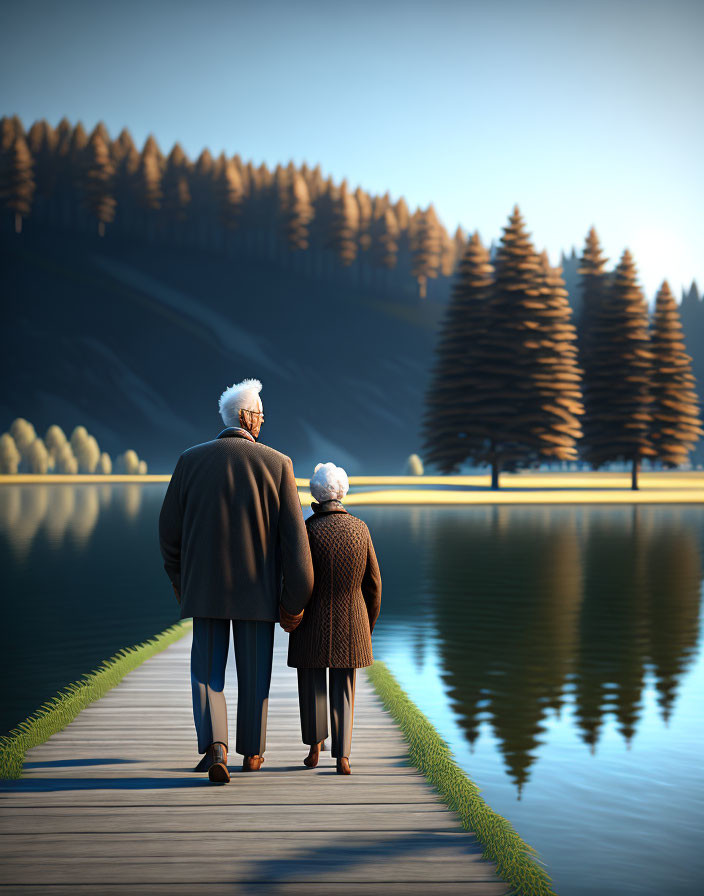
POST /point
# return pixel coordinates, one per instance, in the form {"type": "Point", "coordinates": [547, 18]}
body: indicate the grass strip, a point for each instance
{"type": "Point", "coordinates": [518, 863]}
{"type": "Point", "coordinates": [63, 708]}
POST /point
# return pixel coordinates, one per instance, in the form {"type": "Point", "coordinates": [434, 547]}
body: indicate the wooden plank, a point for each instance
{"type": "Point", "coordinates": [347, 862]}
{"type": "Point", "coordinates": [136, 818]}
{"type": "Point", "coordinates": [111, 802]}
{"type": "Point", "coordinates": [188, 792]}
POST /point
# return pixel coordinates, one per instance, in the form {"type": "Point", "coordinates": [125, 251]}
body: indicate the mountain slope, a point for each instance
{"type": "Point", "coordinates": [137, 341]}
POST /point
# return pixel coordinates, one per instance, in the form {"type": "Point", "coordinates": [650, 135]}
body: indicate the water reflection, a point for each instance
{"type": "Point", "coordinates": [507, 590]}
{"type": "Point", "coordinates": [61, 512]}
{"type": "Point", "coordinates": [642, 580]}
{"type": "Point", "coordinates": [675, 572]}
{"type": "Point", "coordinates": [532, 604]}
{"type": "Point", "coordinates": [524, 608]}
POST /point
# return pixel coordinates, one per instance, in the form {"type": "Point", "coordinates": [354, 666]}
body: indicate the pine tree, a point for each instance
{"type": "Point", "coordinates": [204, 199]}
{"type": "Point", "coordinates": [265, 178]}
{"type": "Point", "coordinates": [123, 149]}
{"type": "Point", "coordinates": [509, 391]}
{"type": "Point", "coordinates": [230, 194]}
{"type": "Point", "coordinates": [385, 234]}
{"type": "Point", "coordinates": [9, 129]}
{"type": "Point", "coordinates": [17, 178]}
{"type": "Point", "coordinates": [63, 172]}
{"type": "Point", "coordinates": [426, 243]}
{"type": "Point", "coordinates": [242, 170]}
{"type": "Point", "coordinates": [176, 192]}
{"type": "Point", "coordinates": [42, 142]}
{"type": "Point", "coordinates": [616, 381]}
{"type": "Point", "coordinates": [147, 177]}
{"type": "Point", "coordinates": [322, 257]}
{"type": "Point", "coordinates": [77, 145]}
{"type": "Point", "coordinates": [460, 240]}
{"type": "Point", "coordinates": [454, 429]}
{"type": "Point", "coordinates": [379, 206]}
{"type": "Point", "coordinates": [691, 310]}
{"type": "Point", "coordinates": [675, 420]}
{"type": "Point", "coordinates": [151, 147]}
{"type": "Point", "coordinates": [570, 264]}
{"type": "Point", "coordinates": [101, 131]}
{"type": "Point", "coordinates": [298, 213]}
{"type": "Point", "coordinates": [345, 225]}
{"type": "Point", "coordinates": [126, 161]}
{"type": "Point", "coordinates": [98, 187]}
{"type": "Point", "coordinates": [556, 377]}
{"type": "Point", "coordinates": [447, 253]}
{"type": "Point", "coordinates": [364, 203]}
{"type": "Point", "coordinates": [259, 200]}
{"type": "Point", "coordinates": [531, 416]}
{"type": "Point", "coordinates": [315, 182]}
{"type": "Point", "coordinates": [593, 288]}
{"type": "Point", "coordinates": [403, 216]}
{"type": "Point", "coordinates": [63, 135]}
{"type": "Point", "coordinates": [280, 192]}
{"type": "Point", "coordinates": [691, 297]}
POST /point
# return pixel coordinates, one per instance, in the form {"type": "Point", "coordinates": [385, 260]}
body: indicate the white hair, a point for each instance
{"type": "Point", "coordinates": [328, 483]}
{"type": "Point", "coordinates": [244, 395]}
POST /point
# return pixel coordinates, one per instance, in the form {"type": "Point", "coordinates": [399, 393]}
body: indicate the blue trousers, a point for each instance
{"type": "Point", "coordinates": [254, 646]}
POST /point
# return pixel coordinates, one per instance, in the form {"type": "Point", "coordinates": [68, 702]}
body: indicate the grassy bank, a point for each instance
{"type": "Point", "coordinates": [570, 496]}
{"type": "Point", "coordinates": [674, 487]}
{"type": "Point", "coordinates": [517, 862]}
{"type": "Point", "coordinates": [56, 713]}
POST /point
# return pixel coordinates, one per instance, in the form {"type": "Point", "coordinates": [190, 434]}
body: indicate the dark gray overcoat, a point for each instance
{"type": "Point", "coordinates": [336, 629]}
{"type": "Point", "coordinates": [231, 531]}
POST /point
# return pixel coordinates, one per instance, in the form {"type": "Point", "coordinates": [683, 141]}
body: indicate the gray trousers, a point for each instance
{"type": "Point", "coordinates": [254, 646]}
{"type": "Point", "coordinates": [313, 700]}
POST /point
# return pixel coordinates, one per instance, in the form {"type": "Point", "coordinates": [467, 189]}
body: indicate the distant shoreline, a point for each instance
{"type": "Point", "coordinates": [656, 487]}
{"type": "Point", "coordinates": [78, 478]}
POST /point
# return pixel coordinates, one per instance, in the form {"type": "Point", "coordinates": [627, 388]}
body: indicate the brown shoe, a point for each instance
{"type": "Point", "coordinates": [252, 763]}
{"type": "Point", "coordinates": [343, 766]}
{"type": "Point", "coordinates": [218, 772]}
{"type": "Point", "coordinates": [311, 759]}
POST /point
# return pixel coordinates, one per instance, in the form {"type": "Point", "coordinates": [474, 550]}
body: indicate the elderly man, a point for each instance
{"type": "Point", "coordinates": [236, 551]}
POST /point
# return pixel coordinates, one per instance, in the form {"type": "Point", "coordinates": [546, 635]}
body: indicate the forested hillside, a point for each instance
{"type": "Point", "coordinates": [138, 284]}
{"type": "Point", "coordinates": [137, 342]}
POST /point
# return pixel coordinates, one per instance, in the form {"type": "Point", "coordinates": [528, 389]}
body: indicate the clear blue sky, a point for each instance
{"type": "Point", "coordinates": [583, 114]}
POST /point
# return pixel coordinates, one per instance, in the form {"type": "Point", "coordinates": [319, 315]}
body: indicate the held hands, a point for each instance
{"type": "Point", "coordinates": [288, 621]}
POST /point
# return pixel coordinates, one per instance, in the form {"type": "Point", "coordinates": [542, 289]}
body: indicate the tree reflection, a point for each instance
{"type": "Point", "coordinates": [612, 652]}
{"type": "Point", "coordinates": [59, 511]}
{"type": "Point", "coordinates": [529, 601]}
{"type": "Point", "coordinates": [506, 619]}
{"type": "Point", "coordinates": [674, 576]}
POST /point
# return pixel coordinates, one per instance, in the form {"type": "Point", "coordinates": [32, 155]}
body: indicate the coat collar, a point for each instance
{"type": "Point", "coordinates": [328, 507]}
{"type": "Point", "coordinates": [235, 431]}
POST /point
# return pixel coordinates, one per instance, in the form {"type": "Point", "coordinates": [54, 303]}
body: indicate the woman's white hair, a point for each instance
{"type": "Point", "coordinates": [329, 483]}
{"type": "Point", "coordinates": [239, 395]}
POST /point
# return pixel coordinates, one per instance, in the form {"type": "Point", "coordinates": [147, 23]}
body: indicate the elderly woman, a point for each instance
{"type": "Point", "coordinates": [337, 624]}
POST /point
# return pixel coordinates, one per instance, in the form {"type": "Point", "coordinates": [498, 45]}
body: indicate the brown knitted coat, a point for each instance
{"type": "Point", "coordinates": [340, 616]}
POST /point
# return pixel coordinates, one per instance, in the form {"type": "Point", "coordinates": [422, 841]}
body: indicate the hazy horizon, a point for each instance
{"type": "Point", "coordinates": [580, 118]}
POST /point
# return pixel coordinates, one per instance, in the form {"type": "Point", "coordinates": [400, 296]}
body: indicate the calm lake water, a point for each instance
{"type": "Point", "coordinates": [557, 649]}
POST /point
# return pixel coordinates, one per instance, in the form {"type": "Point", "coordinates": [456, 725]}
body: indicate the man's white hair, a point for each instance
{"type": "Point", "coordinates": [329, 483]}
{"type": "Point", "coordinates": [240, 395]}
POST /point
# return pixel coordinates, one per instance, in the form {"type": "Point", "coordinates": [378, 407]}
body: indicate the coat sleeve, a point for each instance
{"type": "Point", "coordinates": [371, 585]}
{"type": "Point", "coordinates": [170, 521]}
{"type": "Point", "coordinates": [296, 562]}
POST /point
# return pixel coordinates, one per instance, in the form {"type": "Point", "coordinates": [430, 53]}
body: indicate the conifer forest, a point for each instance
{"type": "Point", "coordinates": [473, 355]}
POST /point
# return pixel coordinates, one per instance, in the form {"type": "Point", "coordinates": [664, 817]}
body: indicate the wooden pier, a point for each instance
{"type": "Point", "coordinates": [111, 805]}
